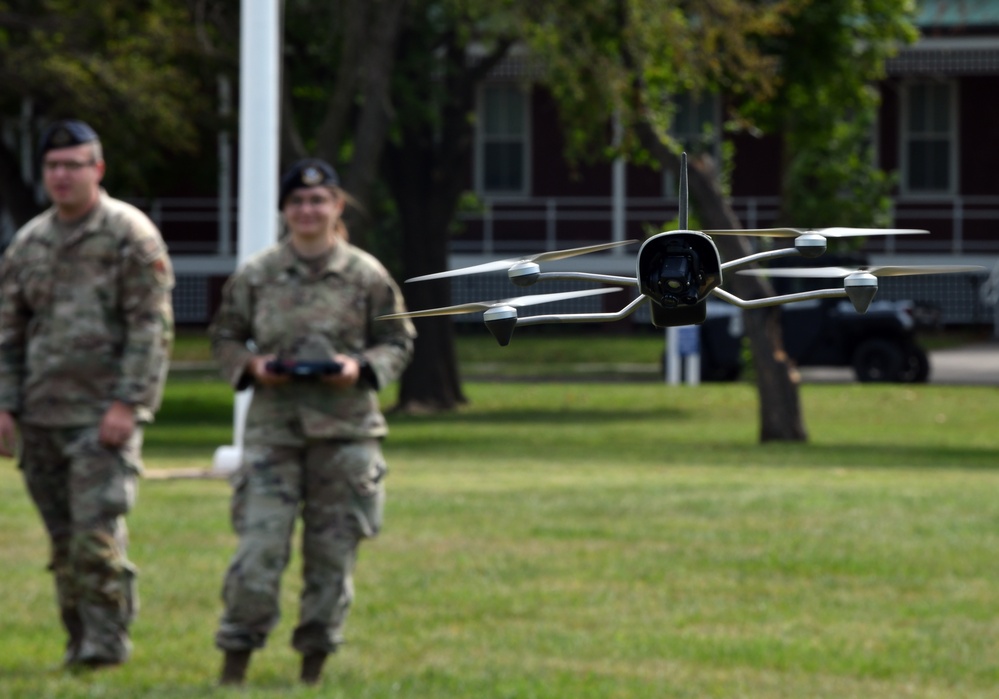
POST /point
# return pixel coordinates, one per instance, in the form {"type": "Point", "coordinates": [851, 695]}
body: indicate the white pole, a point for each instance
{"type": "Point", "coordinates": [673, 356]}
{"type": "Point", "coordinates": [683, 355]}
{"type": "Point", "coordinates": [259, 160]}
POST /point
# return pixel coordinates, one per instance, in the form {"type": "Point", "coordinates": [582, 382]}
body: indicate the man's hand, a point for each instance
{"type": "Point", "coordinates": [117, 425]}
{"type": "Point", "coordinates": [8, 434]}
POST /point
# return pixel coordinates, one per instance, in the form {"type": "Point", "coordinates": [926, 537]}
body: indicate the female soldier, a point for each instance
{"type": "Point", "coordinates": [297, 322]}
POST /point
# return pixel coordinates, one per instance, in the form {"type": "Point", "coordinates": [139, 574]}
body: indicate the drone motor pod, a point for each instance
{"type": "Point", "coordinates": [501, 320]}
{"type": "Point", "coordinates": [524, 273]}
{"type": "Point", "coordinates": [810, 245]}
{"type": "Point", "coordinates": [860, 288]}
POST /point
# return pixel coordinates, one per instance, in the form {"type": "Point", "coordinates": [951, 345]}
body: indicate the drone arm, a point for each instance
{"type": "Point", "coordinates": [779, 300]}
{"type": "Point", "coordinates": [582, 317]}
{"type": "Point", "coordinates": [587, 277]}
{"type": "Point", "coordinates": [756, 257]}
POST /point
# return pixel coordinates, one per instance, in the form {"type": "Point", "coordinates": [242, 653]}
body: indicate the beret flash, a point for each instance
{"type": "Point", "coordinates": [64, 134]}
{"type": "Point", "coordinates": [309, 172]}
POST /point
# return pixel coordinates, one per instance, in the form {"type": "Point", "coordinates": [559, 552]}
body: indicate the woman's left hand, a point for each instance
{"type": "Point", "coordinates": [348, 375]}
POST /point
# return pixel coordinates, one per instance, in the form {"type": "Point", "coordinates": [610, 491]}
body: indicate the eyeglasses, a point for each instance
{"type": "Point", "coordinates": [68, 165]}
{"type": "Point", "coordinates": [309, 200]}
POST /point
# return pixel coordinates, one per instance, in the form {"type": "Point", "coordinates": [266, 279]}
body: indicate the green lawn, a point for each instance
{"type": "Point", "coordinates": [551, 348]}
{"type": "Point", "coordinates": [590, 540]}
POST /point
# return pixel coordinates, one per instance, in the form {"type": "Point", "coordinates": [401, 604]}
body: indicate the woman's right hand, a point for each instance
{"type": "Point", "coordinates": [258, 368]}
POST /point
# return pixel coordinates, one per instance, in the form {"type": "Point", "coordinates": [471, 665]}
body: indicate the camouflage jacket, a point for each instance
{"type": "Point", "coordinates": [282, 307]}
{"type": "Point", "coordinates": [85, 318]}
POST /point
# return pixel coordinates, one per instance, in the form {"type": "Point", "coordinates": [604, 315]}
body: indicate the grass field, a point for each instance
{"type": "Point", "coordinates": [589, 540]}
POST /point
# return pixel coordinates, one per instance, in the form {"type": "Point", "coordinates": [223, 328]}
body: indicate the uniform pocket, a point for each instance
{"type": "Point", "coordinates": [237, 505]}
{"type": "Point", "coordinates": [105, 480]}
{"type": "Point", "coordinates": [122, 486]}
{"type": "Point", "coordinates": [366, 477]}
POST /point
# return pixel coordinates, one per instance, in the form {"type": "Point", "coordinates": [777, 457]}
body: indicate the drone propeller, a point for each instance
{"type": "Point", "coordinates": [875, 270]}
{"type": "Point", "coordinates": [515, 302]}
{"type": "Point", "coordinates": [836, 232]}
{"type": "Point", "coordinates": [506, 264]}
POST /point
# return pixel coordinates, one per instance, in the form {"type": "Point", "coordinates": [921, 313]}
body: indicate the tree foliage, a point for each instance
{"type": "Point", "coordinates": [825, 108]}
{"type": "Point", "coordinates": [142, 73]}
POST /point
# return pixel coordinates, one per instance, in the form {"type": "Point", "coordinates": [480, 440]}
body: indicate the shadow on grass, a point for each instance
{"type": "Point", "coordinates": [646, 448]}
{"type": "Point", "coordinates": [542, 416]}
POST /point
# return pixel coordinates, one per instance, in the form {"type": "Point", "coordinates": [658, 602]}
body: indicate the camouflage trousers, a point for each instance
{"type": "Point", "coordinates": [337, 488]}
{"type": "Point", "coordinates": [82, 490]}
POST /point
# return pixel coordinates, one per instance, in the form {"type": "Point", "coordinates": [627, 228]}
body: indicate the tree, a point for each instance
{"type": "Point", "coordinates": [426, 167]}
{"type": "Point", "coordinates": [796, 67]}
{"type": "Point", "coordinates": [142, 74]}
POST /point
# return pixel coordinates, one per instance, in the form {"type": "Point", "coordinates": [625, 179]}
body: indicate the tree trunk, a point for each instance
{"type": "Point", "coordinates": [16, 197]}
{"type": "Point", "coordinates": [358, 26]}
{"type": "Point", "coordinates": [776, 377]}
{"type": "Point", "coordinates": [431, 382]}
{"type": "Point", "coordinates": [375, 114]}
{"type": "Point", "coordinates": [428, 174]}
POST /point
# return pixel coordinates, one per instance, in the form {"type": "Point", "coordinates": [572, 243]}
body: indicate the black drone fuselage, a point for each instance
{"type": "Point", "coordinates": [677, 271]}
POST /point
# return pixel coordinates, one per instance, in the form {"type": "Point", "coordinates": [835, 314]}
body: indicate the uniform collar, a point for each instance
{"type": "Point", "coordinates": [336, 263]}
{"type": "Point", "coordinates": [91, 222]}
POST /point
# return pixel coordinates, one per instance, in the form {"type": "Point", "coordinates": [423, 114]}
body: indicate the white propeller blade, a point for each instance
{"type": "Point", "coordinates": [517, 302]}
{"type": "Point", "coordinates": [836, 232]}
{"type": "Point", "coordinates": [498, 265]}
{"type": "Point", "coordinates": [877, 271]}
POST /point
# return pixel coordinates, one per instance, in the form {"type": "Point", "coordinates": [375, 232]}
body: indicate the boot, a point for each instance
{"type": "Point", "coordinates": [234, 667]}
{"type": "Point", "coordinates": [74, 627]}
{"type": "Point", "coordinates": [312, 667]}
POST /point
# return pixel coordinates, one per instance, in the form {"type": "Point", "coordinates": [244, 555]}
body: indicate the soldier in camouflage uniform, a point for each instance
{"type": "Point", "coordinates": [85, 331]}
{"type": "Point", "coordinates": [311, 445]}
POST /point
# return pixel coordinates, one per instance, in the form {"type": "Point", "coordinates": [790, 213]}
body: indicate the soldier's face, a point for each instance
{"type": "Point", "coordinates": [72, 177]}
{"type": "Point", "coordinates": [312, 211]}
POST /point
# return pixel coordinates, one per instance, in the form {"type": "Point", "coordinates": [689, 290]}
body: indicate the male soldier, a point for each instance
{"type": "Point", "coordinates": [86, 326]}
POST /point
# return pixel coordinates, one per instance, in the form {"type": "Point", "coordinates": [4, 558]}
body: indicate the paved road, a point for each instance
{"type": "Point", "coordinates": [976, 364]}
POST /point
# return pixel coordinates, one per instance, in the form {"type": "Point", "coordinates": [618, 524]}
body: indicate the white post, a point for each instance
{"type": "Point", "coordinates": [683, 351]}
{"type": "Point", "coordinates": [259, 160]}
{"type": "Point", "coordinates": [673, 356]}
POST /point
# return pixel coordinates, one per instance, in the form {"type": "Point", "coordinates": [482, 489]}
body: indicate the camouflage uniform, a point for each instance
{"type": "Point", "coordinates": [85, 320]}
{"type": "Point", "coordinates": [309, 448]}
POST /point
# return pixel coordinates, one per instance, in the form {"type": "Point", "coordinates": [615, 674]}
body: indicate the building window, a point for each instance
{"type": "Point", "coordinates": [502, 141]}
{"type": "Point", "coordinates": [696, 127]}
{"type": "Point", "coordinates": [928, 138]}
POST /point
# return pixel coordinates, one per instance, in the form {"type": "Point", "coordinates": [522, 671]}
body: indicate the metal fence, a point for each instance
{"type": "Point", "coordinates": [963, 227]}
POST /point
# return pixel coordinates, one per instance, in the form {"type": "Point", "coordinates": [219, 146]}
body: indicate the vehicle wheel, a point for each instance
{"type": "Point", "coordinates": [721, 373]}
{"type": "Point", "coordinates": [916, 367]}
{"type": "Point", "coordinates": [879, 360]}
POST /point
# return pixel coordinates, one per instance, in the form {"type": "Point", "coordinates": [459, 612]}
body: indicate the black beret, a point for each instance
{"type": "Point", "coordinates": [308, 172]}
{"type": "Point", "coordinates": [66, 133]}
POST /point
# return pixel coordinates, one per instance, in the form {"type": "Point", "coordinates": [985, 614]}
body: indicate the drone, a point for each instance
{"type": "Point", "coordinates": [676, 272]}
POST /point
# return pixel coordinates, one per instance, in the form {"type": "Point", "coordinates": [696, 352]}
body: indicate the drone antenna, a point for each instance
{"type": "Point", "coordinates": [683, 191]}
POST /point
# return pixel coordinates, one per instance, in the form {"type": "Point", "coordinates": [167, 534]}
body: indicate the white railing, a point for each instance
{"type": "Point", "coordinates": [958, 225]}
